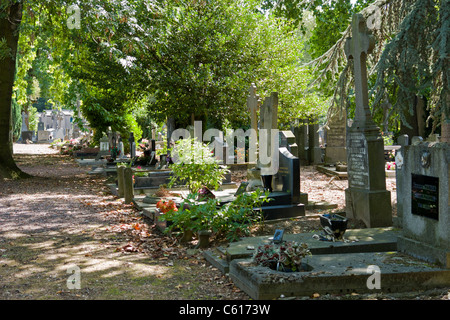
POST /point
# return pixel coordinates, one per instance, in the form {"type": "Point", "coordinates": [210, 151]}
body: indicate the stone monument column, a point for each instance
{"type": "Point", "coordinates": [366, 196]}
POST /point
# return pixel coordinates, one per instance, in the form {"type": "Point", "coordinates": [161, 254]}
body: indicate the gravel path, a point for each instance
{"type": "Point", "coordinates": [64, 218]}
{"type": "Point", "coordinates": [32, 148]}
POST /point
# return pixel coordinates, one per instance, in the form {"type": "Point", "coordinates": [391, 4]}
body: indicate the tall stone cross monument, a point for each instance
{"type": "Point", "coordinates": [366, 196]}
{"type": "Point", "coordinates": [253, 105]}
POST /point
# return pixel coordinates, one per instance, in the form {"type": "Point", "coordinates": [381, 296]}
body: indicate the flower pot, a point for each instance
{"type": "Point", "coordinates": [335, 224]}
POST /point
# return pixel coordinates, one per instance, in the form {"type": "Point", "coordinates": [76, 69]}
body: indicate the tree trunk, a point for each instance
{"type": "Point", "coordinates": [9, 31]}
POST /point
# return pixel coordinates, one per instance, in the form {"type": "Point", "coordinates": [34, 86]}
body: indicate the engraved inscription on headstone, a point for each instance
{"type": "Point", "coordinates": [357, 161]}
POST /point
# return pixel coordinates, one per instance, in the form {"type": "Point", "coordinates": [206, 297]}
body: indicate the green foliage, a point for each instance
{"type": "Point", "coordinates": [237, 217]}
{"type": "Point", "coordinates": [5, 51]}
{"type": "Point", "coordinates": [331, 18]}
{"type": "Point", "coordinates": [232, 221]}
{"type": "Point", "coordinates": [195, 165]}
{"type": "Point", "coordinates": [192, 215]}
{"type": "Point", "coordinates": [16, 118]}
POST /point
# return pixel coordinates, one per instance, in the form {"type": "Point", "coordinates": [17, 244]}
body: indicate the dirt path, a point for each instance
{"type": "Point", "coordinates": [63, 221]}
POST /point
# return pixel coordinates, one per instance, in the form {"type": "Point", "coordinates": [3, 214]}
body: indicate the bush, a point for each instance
{"type": "Point", "coordinates": [231, 221]}
{"type": "Point", "coordinates": [235, 219]}
{"type": "Point", "coordinates": [195, 165]}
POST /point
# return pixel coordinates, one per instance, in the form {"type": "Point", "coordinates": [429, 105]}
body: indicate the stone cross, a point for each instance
{"type": "Point", "coordinates": [269, 122]}
{"type": "Point", "coordinates": [357, 48]}
{"type": "Point", "coordinates": [366, 197]}
{"type": "Point", "coordinates": [253, 103]}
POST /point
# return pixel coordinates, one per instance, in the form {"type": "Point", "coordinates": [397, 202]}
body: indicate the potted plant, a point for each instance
{"type": "Point", "coordinates": [286, 256]}
{"type": "Point", "coordinates": [334, 224]}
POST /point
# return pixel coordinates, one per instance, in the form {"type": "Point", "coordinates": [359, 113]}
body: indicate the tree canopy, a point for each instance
{"type": "Point", "coordinates": [128, 60]}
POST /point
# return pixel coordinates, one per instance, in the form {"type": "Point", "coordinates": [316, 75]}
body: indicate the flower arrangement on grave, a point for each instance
{"type": "Point", "coordinates": [114, 152]}
{"type": "Point", "coordinates": [144, 144]}
{"type": "Point", "coordinates": [166, 206]}
{"type": "Point", "coordinates": [139, 172]}
{"type": "Point", "coordinates": [390, 165]}
{"type": "Point", "coordinates": [287, 256]}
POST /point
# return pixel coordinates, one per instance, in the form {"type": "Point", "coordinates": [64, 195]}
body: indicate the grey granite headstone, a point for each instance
{"type": "Point", "coordinates": [336, 149]}
{"type": "Point", "coordinates": [132, 145]}
{"type": "Point", "coordinates": [301, 134]}
{"type": "Point", "coordinates": [366, 196]}
{"type": "Point", "coordinates": [425, 192]}
{"type": "Point", "coordinates": [288, 140]}
{"type": "Point", "coordinates": [314, 150]}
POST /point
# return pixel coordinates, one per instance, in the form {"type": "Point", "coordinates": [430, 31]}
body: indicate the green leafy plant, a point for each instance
{"type": "Point", "coordinates": [282, 257]}
{"type": "Point", "coordinates": [190, 216]}
{"type": "Point", "coordinates": [236, 218]}
{"type": "Point", "coordinates": [195, 165]}
{"type": "Point", "coordinates": [231, 221]}
{"type": "Point", "coordinates": [139, 172]}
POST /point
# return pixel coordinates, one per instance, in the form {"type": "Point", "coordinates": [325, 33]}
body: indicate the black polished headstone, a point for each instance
{"type": "Point", "coordinates": [425, 196]}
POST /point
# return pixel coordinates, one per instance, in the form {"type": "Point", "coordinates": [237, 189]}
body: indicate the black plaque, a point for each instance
{"type": "Point", "coordinates": [425, 196]}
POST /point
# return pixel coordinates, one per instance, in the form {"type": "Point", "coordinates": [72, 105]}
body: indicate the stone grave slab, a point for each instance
{"type": "Point", "coordinates": [358, 240]}
{"type": "Point", "coordinates": [331, 170]}
{"type": "Point", "coordinates": [340, 274]}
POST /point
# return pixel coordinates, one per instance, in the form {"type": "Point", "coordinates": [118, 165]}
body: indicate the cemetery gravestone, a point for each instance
{"type": "Point", "coordinates": [424, 213]}
{"type": "Point", "coordinates": [253, 105]}
{"type": "Point", "coordinates": [121, 150]}
{"type": "Point", "coordinates": [41, 126]}
{"type": "Point", "coordinates": [128, 185]}
{"type": "Point", "coordinates": [26, 134]}
{"type": "Point", "coordinates": [104, 148]}
{"type": "Point", "coordinates": [43, 135]}
{"type": "Point", "coordinates": [314, 150]}
{"type": "Point", "coordinates": [287, 139]}
{"type": "Point", "coordinates": [267, 147]}
{"type": "Point", "coordinates": [285, 197]}
{"type": "Point", "coordinates": [366, 196]}
{"type": "Point", "coordinates": [24, 121]}
{"type": "Point", "coordinates": [336, 150]}
{"type": "Point", "coordinates": [132, 145]}
{"type": "Point", "coordinates": [301, 134]}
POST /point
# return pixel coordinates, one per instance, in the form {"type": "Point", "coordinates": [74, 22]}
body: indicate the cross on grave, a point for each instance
{"type": "Point", "coordinates": [366, 197]}
{"type": "Point", "coordinates": [357, 48]}
{"type": "Point", "coordinates": [253, 104]}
